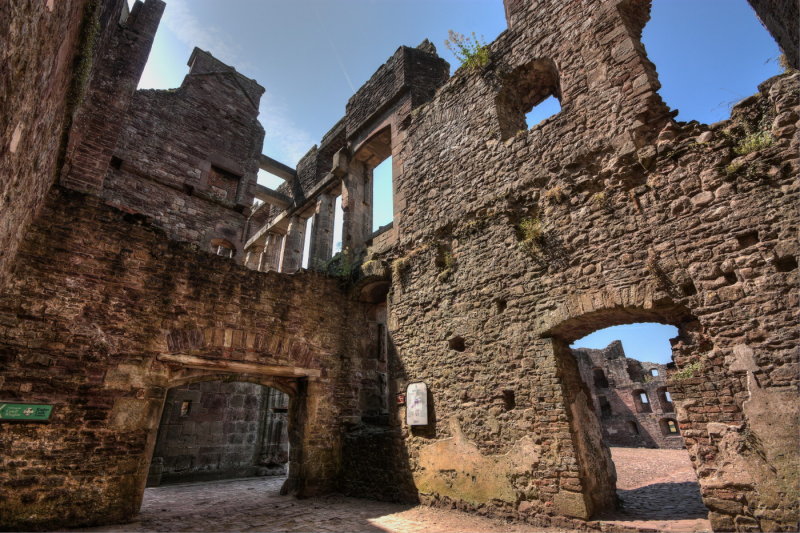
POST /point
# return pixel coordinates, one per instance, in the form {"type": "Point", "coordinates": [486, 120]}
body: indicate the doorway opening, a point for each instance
{"type": "Point", "coordinates": [213, 430]}
{"type": "Point", "coordinates": [625, 369]}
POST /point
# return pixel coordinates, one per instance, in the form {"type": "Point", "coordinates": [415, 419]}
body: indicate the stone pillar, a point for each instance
{"type": "Point", "coordinates": [253, 258]}
{"type": "Point", "coordinates": [292, 257]}
{"type": "Point", "coordinates": [321, 247]}
{"type": "Point", "coordinates": [270, 259]}
{"type": "Point", "coordinates": [357, 207]}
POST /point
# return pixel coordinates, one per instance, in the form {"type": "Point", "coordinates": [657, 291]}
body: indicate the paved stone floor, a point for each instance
{"type": "Point", "coordinates": [657, 487]}
{"type": "Point", "coordinates": [659, 490]}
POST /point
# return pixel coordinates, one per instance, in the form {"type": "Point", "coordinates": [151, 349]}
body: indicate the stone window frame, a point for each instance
{"type": "Point", "coordinates": [642, 406]}
{"type": "Point", "coordinates": [223, 248]}
{"type": "Point", "coordinates": [524, 88]}
{"type": "Point", "coordinates": [667, 429]}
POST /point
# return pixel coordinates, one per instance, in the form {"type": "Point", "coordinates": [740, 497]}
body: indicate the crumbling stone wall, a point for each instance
{"type": "Point", "coordinates": [47, 84]}
{"type": "Point", "coordinates": [101, 323]}
{"type": "Point", "coordinates": [616, 382]}
{"type": "Point", "coordinates": [188, 157]}
{"type": "Point", "coordinates": [780, 18]}
{"type": "Point", "coordinates": [606, 213]}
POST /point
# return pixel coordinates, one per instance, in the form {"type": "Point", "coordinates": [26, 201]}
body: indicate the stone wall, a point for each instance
{"type": "Point", "coordinates": [188, 157]}
{"type": "Point", "coordinates": [40, 89]}
{"type": "Point", "coordinates": [102, 323]}
{"type": "Point", "coordinates": [83, 78]}
{"type": "Point", "coordinates": [616, 383]}
{"type": "Point", "coordinates": [514, 244]}
{"type": "Point", "coordinates": [780, 18]}
{"type": "Point", "coordinates": [218, 430]}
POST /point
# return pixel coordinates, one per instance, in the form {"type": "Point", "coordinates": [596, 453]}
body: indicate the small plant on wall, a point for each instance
{"type": "Point", "coordinates": [531, 234]}
{"type": "Point", "coordinates": [471, 51]}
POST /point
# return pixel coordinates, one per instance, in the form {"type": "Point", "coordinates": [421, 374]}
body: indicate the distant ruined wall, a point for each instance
{"type": "Point", "coordinates": [625, 420]}
{"type": "Point", "coordinates": [218, 430]}
{"type": "Point", "coordinates": [188, 157]}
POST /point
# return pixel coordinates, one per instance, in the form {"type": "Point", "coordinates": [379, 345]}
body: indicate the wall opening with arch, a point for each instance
{"type": "Point", "coordinates": [640, 431]}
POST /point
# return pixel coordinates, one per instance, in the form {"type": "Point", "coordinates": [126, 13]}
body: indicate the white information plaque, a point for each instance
{"type": "Point", "coordinates": [417, 404]}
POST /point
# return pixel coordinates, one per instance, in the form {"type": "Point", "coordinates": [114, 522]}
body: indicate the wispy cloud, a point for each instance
{"type": "Point", "coordinates": [324, 31]}
{"type": "Point", "coordinates": [181, 21]}
{"type": "Point", "coordinates": [284, 141]}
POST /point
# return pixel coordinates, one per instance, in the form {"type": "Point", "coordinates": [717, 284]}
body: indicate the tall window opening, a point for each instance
{"type": "Point", "coordinates": [382, 196]}
{"type": "Point", "coordinates": [529, 95]}
{"type": "Point", "coordinates": [600, 380]}
{"type": "Point", "coordinates": [307, 242]}
{"type": "Point", "coordinates": [338, 225]}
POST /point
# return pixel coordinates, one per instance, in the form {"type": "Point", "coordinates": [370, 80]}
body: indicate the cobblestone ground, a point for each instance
{"type": "Point", "coordinates": [659, 490]}
{"type": "Point", "coordinates": [253, 504]}
{"type": "Point", "coordinates": [657, 486]}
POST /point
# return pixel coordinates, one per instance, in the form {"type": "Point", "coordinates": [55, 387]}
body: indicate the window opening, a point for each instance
{"type": "Point", "coordinates": [641, 402]}
{"type": "Point", "coordinates": [542, 111]}
{"type": "Point", "coordinates": [665, 399]}
{"type": "Point", "coordinates": [654, 372]}
{"type": "Point", "coordinates": [223, 248]}
{"type": "Point", "coordinates": [382, 199]}
{"type": "Point", "coordinates": [186, 407]}
{"type": "Point", "coordinates": [633, 427]}
{"type": "Point", "coordinates": [673, 428]}
{"type": "Point", "coordinates": [529, 95]}
{"type": "Point", "coordinates": [307, 242]}
{"type": "Point", "coordinates": [605, 407]}
{"type": "Point", "coordinates": [338, 227]}
{"type": "Point", "coordinates": [600, 379]}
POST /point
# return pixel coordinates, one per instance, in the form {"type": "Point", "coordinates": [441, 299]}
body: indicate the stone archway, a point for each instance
{"type": "Point", "coordinates": [596, 312]}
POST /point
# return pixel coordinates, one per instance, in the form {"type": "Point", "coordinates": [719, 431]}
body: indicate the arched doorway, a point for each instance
{"type": "Point", "coordinates": [589, 377]}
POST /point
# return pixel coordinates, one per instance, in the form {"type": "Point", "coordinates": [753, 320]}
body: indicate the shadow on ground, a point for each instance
{"type": "Point", "coordinates": [664, 501]}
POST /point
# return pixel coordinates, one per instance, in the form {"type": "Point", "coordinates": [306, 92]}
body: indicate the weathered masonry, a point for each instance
{"type": "Point", "coordinates": [630, 398]}
{"type": "Point", "coordinates": [133, 261]}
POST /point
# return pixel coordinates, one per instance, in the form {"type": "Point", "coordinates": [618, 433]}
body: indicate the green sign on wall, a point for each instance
{"type": "Point", "coordinates": [24, 411]}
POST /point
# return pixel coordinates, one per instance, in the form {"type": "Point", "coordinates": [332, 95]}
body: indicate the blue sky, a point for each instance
{"type": "Point", "coordinates": [645, 342]}
{"type": "Point", "coordinates": [312, 55]}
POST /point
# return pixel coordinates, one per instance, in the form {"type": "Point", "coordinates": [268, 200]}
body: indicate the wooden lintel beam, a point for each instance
{"type": "Point", "coordinates": [224, 365]}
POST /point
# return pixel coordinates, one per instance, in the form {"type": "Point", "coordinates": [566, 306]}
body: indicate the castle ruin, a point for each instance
{"type": "Point", "coordinates": [133, 262]}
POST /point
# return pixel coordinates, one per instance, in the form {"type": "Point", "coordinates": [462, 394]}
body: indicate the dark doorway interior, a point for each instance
{"type": "Point", "coordinates": [220, 430]}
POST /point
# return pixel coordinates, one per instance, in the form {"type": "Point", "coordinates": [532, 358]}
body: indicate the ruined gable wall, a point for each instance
{"type": "Point", "coordinates": [636, 225]}
{"type": "Point", "coordinates": [97, 296]}
{"type": "Point", "coordinates": [169, 143]}
{"type": "Point", "coordinates": [37, 76]}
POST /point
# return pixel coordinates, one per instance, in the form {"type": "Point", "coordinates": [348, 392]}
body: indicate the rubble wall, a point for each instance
{"type": "Point", "coordinates": [85, 325]}
{"type": "Point", "coordinates": [40, 88]}
{"type": "Point", "coordinates": [514, 244]}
